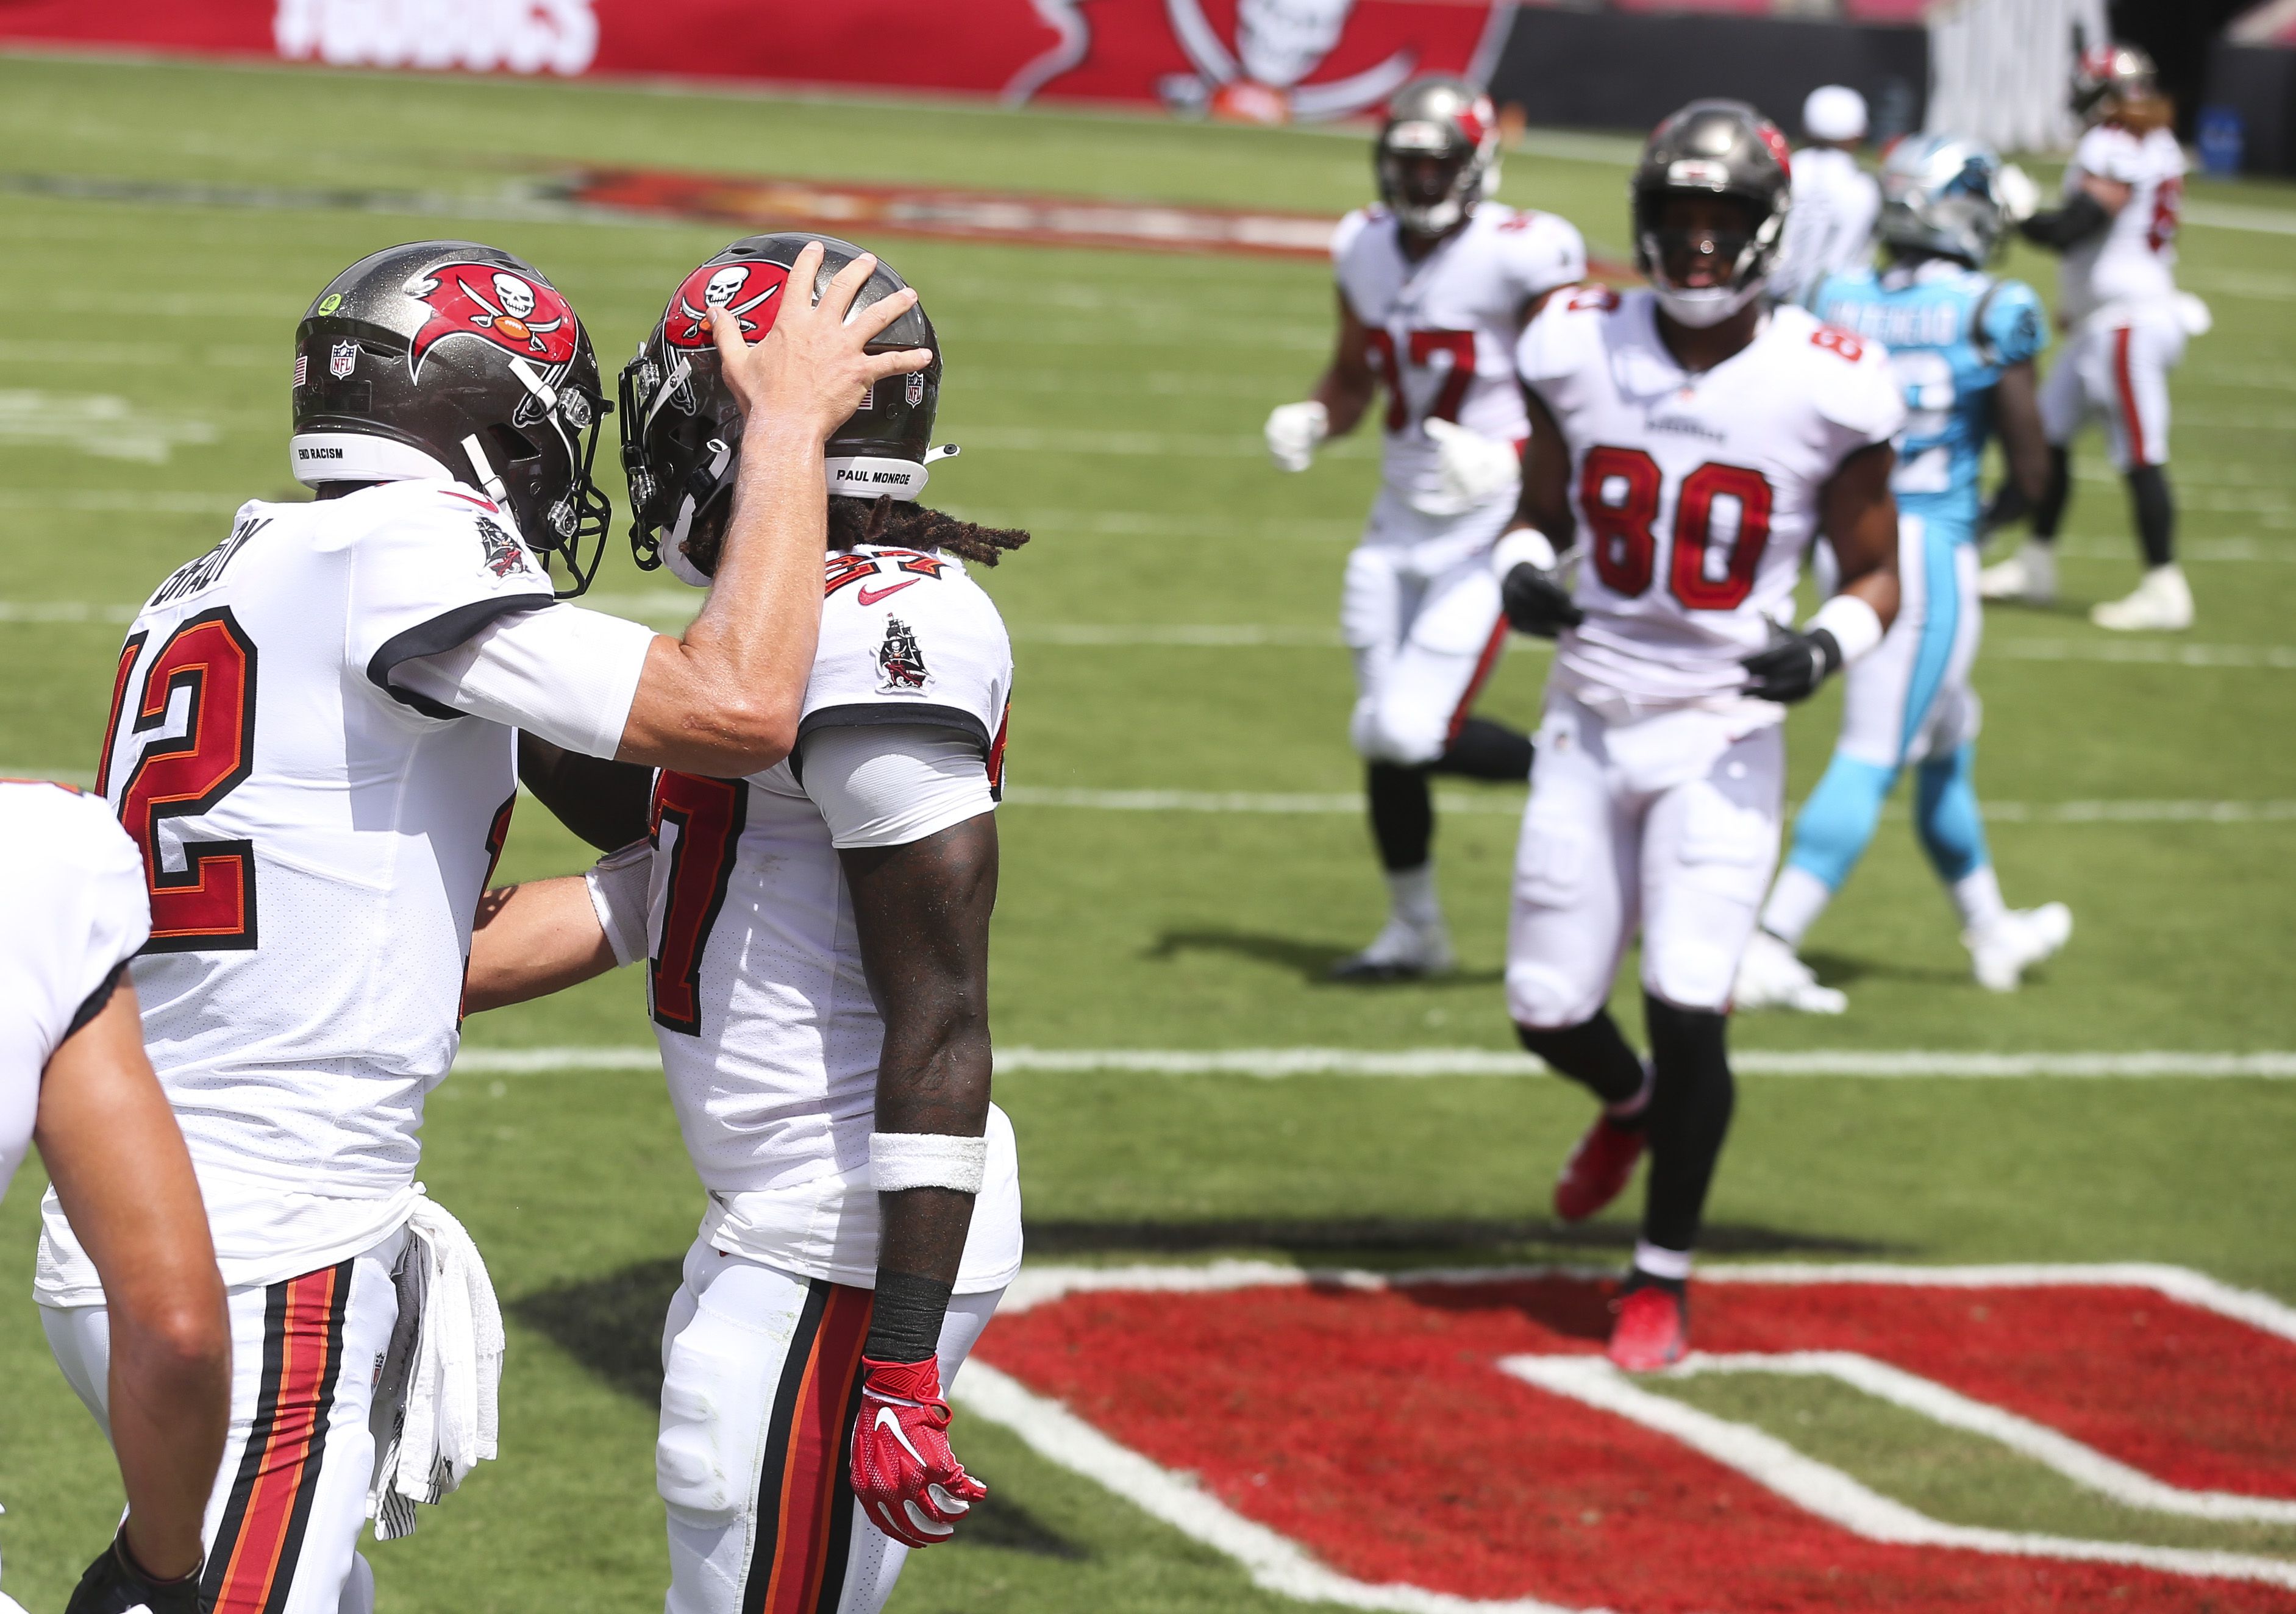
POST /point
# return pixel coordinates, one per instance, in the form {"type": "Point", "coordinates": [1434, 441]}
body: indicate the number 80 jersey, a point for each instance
{"type": "Point", "coordinates": [1443, 328]}
{"type": "Point", "coordinates": [1695, 493]}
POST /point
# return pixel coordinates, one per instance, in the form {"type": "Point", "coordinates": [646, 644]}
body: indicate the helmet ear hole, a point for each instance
{"type": "Point", "coordinates": [514, 443]}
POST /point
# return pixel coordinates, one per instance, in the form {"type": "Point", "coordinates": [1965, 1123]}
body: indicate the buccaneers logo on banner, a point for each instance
{"type": "Point", "coordinates": [517, 315]}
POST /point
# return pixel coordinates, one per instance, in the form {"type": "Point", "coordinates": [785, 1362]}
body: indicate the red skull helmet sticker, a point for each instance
{"type": "Point", "coordinates": [744, 291]}
{"type": "Point", "coordinates": [516, 314]}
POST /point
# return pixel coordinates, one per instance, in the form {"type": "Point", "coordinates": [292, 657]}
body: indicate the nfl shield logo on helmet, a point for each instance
{"type": "Point", "coordinates": [342, 358]}
{"type": "Point", "coordinates": [916, 393]}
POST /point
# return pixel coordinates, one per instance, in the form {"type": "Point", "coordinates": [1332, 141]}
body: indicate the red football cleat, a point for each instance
{"type": "Point", "coordinates": [1652, 1330]}
{"type": "Point", "coordinates": [1598, 1170]}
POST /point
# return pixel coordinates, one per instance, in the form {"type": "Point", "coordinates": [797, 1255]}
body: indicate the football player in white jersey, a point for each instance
{"type": "Point", "coordinates": [815, 936]}
{"type": "Point", "coordinates": [313, 743]}
{"type": "Point", "coordinates": [75, 1080]}
{"type": "Point", "coordinates": [1435, 283]}
{"type": "Point", "coordinates": [2127, 324]}
{"type": "Point", "coordinates": [1835, 202]}
{"type": "Point", "coordinates": [1688, 444]}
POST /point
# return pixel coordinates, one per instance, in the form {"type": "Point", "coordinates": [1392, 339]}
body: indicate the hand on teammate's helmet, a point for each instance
{"type": "Point", "coordinates": [115, 1584]}
{"type": "Point", "coordinates": [813, 363]}
{"type": "Point", "coordinates": [1294, 430]}
{"type": "Point", "coordinates": [905, 1476]}
{"type": "Point", "coordinates": [1792, 665]}
{"type": "Point", "coordinates": [1536, 601]}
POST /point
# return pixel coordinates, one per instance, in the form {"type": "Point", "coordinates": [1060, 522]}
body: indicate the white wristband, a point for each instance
{"type": "Point", "coordinates": [620, 886]}
{"type": "Point", "coordinates": [1524, 546]}
{"type": "Point", "coordinates": [1853, 624]}
{"type": "Point", "coordinates": [927, 1160]}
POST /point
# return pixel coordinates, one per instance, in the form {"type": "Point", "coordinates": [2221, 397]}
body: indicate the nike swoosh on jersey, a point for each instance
{"type": "Point", "coordinates": [869, 597]}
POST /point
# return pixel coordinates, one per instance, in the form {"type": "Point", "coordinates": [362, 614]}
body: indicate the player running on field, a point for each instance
{"type": "Point", "coordinates": [75, 1080]}
{"type": "Point", "coordinates": [1434, 285]}
{"type": "Point", "coordinates": [1961, 346]}
{"type": "Point", "coordinates": [1687, 442]}
{"type": "Point", "coordinates": [2118, 299]}
{"type": "Point", "coordinates": [816, 942]}
{"type": "Point", "coordinates": [313, 743]}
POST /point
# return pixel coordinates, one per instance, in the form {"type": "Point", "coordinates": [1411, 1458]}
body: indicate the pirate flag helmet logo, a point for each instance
{"type": "Point", "coordinates": [452, 361]}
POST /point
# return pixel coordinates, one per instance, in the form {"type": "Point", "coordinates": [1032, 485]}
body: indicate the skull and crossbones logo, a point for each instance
{"type": "Point", "coordinates": [723, 287]}
{"type": "Point", "coordinates": [512, 313]}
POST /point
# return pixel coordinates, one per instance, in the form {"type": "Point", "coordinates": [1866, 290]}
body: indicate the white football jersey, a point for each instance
{"type": "Point", "coordinates": [1695, 495]}
{"type": "Point", "coordinates": [1443, 328]}
{"type": "Point", "coordinates": [2134, 260]}
{"type": "Point", "coordinates": [1830, 227]}
{"type": "Point", "coordinates": [81, 915]}
{"type": "Point", "coordinates": [769, 1036]}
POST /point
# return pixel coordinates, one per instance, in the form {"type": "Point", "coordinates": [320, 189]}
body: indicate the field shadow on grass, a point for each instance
{"type": "Point", "coordinates": [612, 1326]}
{"type": "Point", "coordinates": [1311, 961]}
{"type": "Point", "coordinates": [1457, 1239]}
{"type": "Point", "coordinates": [1843, 969]}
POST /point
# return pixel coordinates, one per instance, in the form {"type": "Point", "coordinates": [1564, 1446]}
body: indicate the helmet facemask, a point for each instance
{"type": "Point", "coordinates": [544, 456]}
{"type": "Point", "coordinates": [1941, 196]}
{"type": "Point", "coordinates": [1707, 255]}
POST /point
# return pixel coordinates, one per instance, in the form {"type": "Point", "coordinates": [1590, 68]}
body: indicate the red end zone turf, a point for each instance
{"type": "Point", "coordinates": [1375, 1427]}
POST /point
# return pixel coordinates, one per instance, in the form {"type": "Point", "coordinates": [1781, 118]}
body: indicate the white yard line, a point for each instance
{"type": "Point", "coordinates": [1508, 804]}
{"type": "Point", "coordinates": [2081, 1463]}
{"type": "Point", "coordinates": [1275, 1064]}
{"type": "Point", "coordinates": [2223, 216]}
{"type": "Point", "coordinates": [1822, 1489]}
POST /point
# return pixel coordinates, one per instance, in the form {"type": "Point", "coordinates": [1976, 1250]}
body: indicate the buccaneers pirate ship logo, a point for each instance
{"type": "Point", "coordinates": [901, 662]}
{"type": "Point", "coordinates": [516, 314]}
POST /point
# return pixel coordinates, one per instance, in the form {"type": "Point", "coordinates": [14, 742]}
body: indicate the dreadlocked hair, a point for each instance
{"type": "Point", "coordinates": [901, 525]}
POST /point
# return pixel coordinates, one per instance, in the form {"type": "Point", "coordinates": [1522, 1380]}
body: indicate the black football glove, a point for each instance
{"type": "Point", "coordinates": [1535, 602]}
{"type": "Point", "coordinates": [1793, 666]}
{"type": "Point", "coordinates": [116, 1583]}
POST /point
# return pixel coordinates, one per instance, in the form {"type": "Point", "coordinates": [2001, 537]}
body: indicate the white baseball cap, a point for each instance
{"type": "Point", "coordinates": [1834, 112]}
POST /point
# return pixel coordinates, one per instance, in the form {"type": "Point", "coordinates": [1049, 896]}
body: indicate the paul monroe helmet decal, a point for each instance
{"type": "Point", "coordinates": [516, 314]}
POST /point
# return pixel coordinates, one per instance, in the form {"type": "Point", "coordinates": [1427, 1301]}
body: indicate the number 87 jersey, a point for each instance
{"type": "Point", "coordinates": [1443, 327]}
{"type": "Point", "coordinates": [1695, 493]}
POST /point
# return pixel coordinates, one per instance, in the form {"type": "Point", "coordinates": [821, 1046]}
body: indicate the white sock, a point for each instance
{"type": "Point", "coordinates": [1978, 896]}
{"type": "Point", "coordinates": [1661, 1263]}
{"type": "Point", "coordinates": [1626, 1109]}
{"type": "Point", "coordinates": [1410, 895]}
{"type": "Point", "coordinates": [1796, 901]}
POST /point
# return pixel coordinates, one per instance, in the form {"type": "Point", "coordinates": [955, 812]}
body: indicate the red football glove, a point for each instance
{"type": "Point", "coordinates": [903, 1475]}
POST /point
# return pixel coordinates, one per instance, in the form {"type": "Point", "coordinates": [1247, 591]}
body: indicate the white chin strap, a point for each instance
{"type": "Point", "coordinates": [673, 541]}
{"type": "Point", "coordinates": [319, 457]}
{"type": "Point", "coordinates": [1703, 306]}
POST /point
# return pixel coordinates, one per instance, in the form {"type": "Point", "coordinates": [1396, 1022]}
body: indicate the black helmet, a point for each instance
{"type": "Point", "coordinates": [681, 430]}
{"type": "Point", "coordinates": [1714, 148]}
{"type": "Point", "coordinates": [2109, 77]}
{"type": "Point", "coordinates": [1450, 121]}
{"type": "Point", "coordinates": [449, 359]}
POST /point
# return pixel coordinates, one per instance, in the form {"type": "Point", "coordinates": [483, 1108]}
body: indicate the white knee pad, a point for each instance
{"type": "Point", "coordinates": [1388, 728]}
{"type": "Point", "coordinates": [1700, 923]}
{"type": "Point", "coordinates": [718, 1379]}
{"type": "Point", "coordinates": [1546, 998]}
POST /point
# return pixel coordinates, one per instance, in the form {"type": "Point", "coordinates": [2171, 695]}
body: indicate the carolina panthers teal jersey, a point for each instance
{"type": "Point", "coordinates": [1950, 332]}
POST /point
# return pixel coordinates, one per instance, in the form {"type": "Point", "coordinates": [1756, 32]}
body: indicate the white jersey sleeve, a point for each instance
{"type": "Point", "coordinates": [1541, 252]}
{"type": "Point", "coordinates": [83, 917]}
{"type": "Point", "coordinates": [440, 564]}
{"type": "Point", "coordinates": [888, 786]}
{"type": "Point", "coordinates": [560, 672]}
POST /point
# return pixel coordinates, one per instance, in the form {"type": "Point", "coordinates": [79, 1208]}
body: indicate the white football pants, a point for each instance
{"type": "Point", "coordinates": [1669, 823]}
{"type": "Point", "coordinates": [1910, 700]}
{"type": "Point", "coordinates": [283, 1524]}
{"type": "Point", "coordinates": [1419, 611]}
{"type": "Point", "coordinates": [2117, 365]}
{"type": "Point", "coordinates": [761, 1377]}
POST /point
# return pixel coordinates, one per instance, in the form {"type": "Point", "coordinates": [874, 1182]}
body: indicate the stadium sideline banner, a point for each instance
{"type": "Point", "coordinates": [1262, 61]}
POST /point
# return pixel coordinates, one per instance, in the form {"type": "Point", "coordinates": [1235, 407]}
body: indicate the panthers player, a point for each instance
{"type": "Point", "coordinates": [2124, 191]}
{"type": "Point", "coordinates": [1961, 346]}
{"type": "Point", "coordinates": [313, 744]}
{"type": "Point", "coordinates": [1698, 439]}
{"type": "Point", "coordinates": [1434, 285]}
{"type": "Point", "coordinates": [816, 942]}
{"type": "Point", "coordinates": [74, 1079]}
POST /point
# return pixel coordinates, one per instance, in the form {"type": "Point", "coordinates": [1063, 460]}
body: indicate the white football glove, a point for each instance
{"type": "Point", "coordinates": [1294, 430]}
{"type": "Point", "coordinates": [2020, 198]}
{"type": "Point", "coordinates": [1473, 470]}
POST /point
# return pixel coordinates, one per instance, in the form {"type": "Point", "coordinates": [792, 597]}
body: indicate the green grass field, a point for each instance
{"type": "Point", "coordinates": [1112, 403]}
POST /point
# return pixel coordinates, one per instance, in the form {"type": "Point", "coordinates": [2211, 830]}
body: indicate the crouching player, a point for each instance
{"type": "Point", "coordinates": [1961, 346]}
{"type": "Point", "coordinates": [816, 942]}
{"type": "Point", "coordinates": [1699, 441]}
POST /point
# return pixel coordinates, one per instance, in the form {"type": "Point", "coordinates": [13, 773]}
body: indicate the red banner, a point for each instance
{"type": "Point", "coordinates": [1264, 61]}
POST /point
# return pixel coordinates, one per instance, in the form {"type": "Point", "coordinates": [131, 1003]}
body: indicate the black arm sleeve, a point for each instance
{"type": "Point", "coordinates": [605, 803]}
{"type": "Point", "coordinates": [2062, 229]}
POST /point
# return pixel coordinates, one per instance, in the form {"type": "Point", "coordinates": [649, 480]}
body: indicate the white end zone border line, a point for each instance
{"type": "Point", "coordinates": [1279, 1565]}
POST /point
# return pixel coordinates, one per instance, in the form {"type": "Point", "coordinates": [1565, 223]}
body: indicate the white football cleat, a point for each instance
{"type": "Point", "coordinates": [2001, 953]}
{"type": "Point", "coordinates": [1770, 977]}
{"type": "Point", "coordinates": [1401, 951]}
{"type": "Point", "coordinates": [2163, 603]}
{"type": "Point", "coordinates": [2028, 577]}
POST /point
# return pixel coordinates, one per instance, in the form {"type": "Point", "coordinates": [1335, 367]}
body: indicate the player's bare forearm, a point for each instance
{"type": "Point", "coordinates": [605, 803]}
{"type": "Point", "coordinates": [922, 913]}
{"type": "Point", "coordinates": [2017, 416]}
{"type": "Point", "coordinates": [531, 941]}
{"type": "Point", "coordinates": [1347, 384]}
{"type": "Point", "coordinates": [723, 699]}
{"type": "Point", "coordinates": [1858, 513]}
{"type": "Point", "coordinates": [1546, 503]}
{"type": "Point", "coordinates": [121, 1172]}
